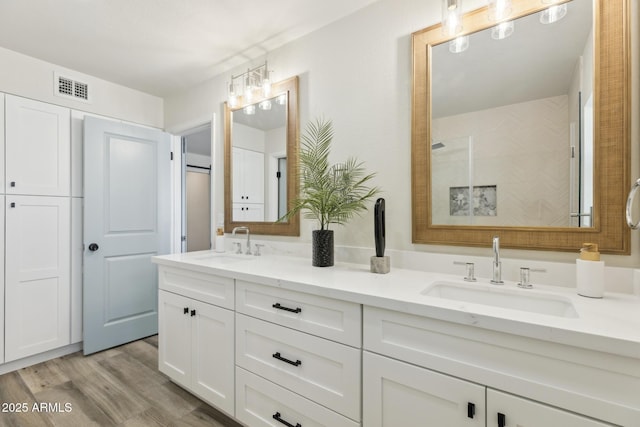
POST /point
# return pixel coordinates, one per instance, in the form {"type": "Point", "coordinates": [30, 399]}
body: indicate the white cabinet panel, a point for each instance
{"type": "Point", "coordinates": [38, 148]}
{"type": "Point", "coordinates": [76, 269]}
{"type": "Point", "coordinates": [324, 371]}
{"type": "Point", "coordinates": [196, 348]}
{"type": "Point", "coordinates": [326, 317]}
{"type": "Point", "coordinates": [37, 275]}
{"type": "Point", "coordinates": [399, 394]}
{"type": "Point", "coordinates": [174, 337]}
{"type": "Point", "coordinates": [2, 144]}
{"type": "Point", "coordinates": [505, 410]}
{"type": "Point", "coordinates": [2, 284]}
{"type": "Point", "coordinates": [216, 290]}
{"type": "Point", "coordinates": [261, 403]}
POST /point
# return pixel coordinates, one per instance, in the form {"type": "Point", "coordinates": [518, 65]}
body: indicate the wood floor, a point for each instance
{"type": "Point", "coordinates": [117, 387]}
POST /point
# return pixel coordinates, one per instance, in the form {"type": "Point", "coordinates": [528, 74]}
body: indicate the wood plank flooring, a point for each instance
{"type": "Point", "coordinates": [117, 387]}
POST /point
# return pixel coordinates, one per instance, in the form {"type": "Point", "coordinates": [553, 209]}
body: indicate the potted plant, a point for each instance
{"type": "Point", "coordinates": [330, 194]}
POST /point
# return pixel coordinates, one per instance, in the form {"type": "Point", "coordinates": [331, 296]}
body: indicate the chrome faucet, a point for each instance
{"type": "Point", "coordinates": [244, 228]}
{"type": "Point", "coordinates": [497, 264]}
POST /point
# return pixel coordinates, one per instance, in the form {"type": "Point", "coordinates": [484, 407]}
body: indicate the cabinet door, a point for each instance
{"type": "Point", "coordinates": [1, 282]}
{"type": "Point", "coordinates": [399, 394]}
{"type": "Point", "coordinates": [37, 275]}
{"type": "Point", "coordinates": [174, 336]}
{"type": "Point", "coordinates": [2, 144]}
{"type": "Point", "coordinates": [38, 148]}
{"type": "Point", "coordinates": [505, 410]}
{"type": "Point", "coordinates": [212, 335]}
{"type": "Point", "coordinates": [253, 170]}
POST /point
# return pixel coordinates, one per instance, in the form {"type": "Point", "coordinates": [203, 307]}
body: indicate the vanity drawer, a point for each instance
{"type": "Point", "coordinates": [261, 403]}
{"type": "Point", "coordinates": [203, 287]}
{"type": "Point", "coordinates": [325, 317]}
{"type": "Point", "coordinates": [324, 371]}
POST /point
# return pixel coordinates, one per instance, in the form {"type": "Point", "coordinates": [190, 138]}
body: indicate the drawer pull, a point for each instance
{"type": "Point", "coordinates": [471, 410]}
{"type": "Point", "coordinates": [502, 420]}
{"type": "Point", "coordinates": [292, 310]}
{"type": "Point", "coordinates": [185, 310]}
{"type": "Point", "coordinates": [278, 417]}
{"type": "Point", "coordinates": [284, 359]}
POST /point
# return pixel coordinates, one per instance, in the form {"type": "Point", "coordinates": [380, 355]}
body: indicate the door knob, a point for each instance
{"type": "Point", "coordinates": [93, 247]}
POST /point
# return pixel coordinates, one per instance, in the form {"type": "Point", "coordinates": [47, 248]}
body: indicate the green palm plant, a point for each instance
{"type": "Point", "coordinates": [330, 194]}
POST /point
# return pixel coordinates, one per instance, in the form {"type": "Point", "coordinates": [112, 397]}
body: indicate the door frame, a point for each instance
{"type": "Point", "coordinates": [179, 178]}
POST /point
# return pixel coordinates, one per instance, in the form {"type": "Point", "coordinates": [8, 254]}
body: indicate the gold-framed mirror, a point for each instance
{"type": "Point", "coordinates": [260, 162]}
{"type": "Point", "coordinates": [444, 204]}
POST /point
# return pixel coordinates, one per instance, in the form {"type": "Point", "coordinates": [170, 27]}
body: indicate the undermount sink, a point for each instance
{"type": "Point", "coordinates": [496, 296]}
{"type": "Point", "coordinates": [223, 257]}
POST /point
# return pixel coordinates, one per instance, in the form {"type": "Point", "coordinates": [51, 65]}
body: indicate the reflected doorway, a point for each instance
{"type": "Point", "coordinates": [196, 189]}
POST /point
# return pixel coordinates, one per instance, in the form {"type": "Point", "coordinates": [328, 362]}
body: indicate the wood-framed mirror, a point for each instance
{"type": "Point", "coordinates": [261, 160]}
{"type": "Point", "coordinates": [464, 193]}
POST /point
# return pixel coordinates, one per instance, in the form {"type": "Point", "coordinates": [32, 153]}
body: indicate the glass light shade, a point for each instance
{"type": "Point", "coordinates": [265, 105]}
{"type": "Point", "coordinates": [233, 101]}
{"type": "Point", "coordinates": [451, 17]}
{"type": "Point", "coordinates": [249, 110]}
{"type": "Point", "coordinates": [248, 94]}
{"type": "Point", "coordinates": [266, 88]}
{"type": "Point", "coordinates": [499, 9]}
{"type": "Point", "coordinates": [502, 31]}
{"type": "Point", "coordinates": [553, 14]}
{"type": "Point", "coordinates": [232, 95]}
{"type": "Point", "coordinates": [459, 44]}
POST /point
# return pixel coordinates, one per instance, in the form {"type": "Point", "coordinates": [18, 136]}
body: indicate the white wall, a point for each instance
{"type": "Point", "coordinates": [32, 78]}
{"type": "Point", "coordinates": [357, 72]}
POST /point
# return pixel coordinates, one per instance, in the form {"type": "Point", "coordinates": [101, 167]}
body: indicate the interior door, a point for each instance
{"type": "Point", "coordinates": [126, 221]}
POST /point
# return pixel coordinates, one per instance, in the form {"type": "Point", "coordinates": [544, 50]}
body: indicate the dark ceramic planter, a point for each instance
{"type": "Point", "coordinates": [322, 248]}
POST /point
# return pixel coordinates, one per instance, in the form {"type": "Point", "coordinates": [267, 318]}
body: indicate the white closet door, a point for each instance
{"type": "Point", "coordinates": [2, 284]}
{"type": "Point", "coordinates": [38, 148]}
{"type": "Point", "coordinates": [37, 275]}
{"type": "Point", "coordinates": [2, 143]}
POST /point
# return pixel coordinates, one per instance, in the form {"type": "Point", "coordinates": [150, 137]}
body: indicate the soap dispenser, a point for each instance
{"type": "Point", "coordinates": [590, 272]}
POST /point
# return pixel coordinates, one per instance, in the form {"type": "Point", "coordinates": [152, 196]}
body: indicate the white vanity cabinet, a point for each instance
{"type": "Point", "coordinates": [38, 148]}
{"type": "Point", "coordinates": [297, 344]}
{"type": "Point", "coordinates": [440, 368]}
{"type": "Point", "coordinates": [196, 337]}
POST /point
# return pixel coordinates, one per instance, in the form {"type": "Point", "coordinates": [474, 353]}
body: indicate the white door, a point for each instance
{"type": "Point", "coordinates": [127, 213]}
{"type": "Point", "coordinates": [37, 275]}
{"type": "Point", "coordinates": [505, 410]}
{"type": "Point", "coordinates": [399, 394]}
{"type": "Point", "coordinates": [1, 279]}
{"type": "Point", "coordinates": [38, 148]}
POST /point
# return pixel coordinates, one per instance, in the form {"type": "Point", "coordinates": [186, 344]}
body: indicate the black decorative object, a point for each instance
{"type": "Point", "coordinates": [322, 248]}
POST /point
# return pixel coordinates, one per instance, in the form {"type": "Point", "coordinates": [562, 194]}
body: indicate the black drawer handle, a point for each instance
{"type": "Point", "coordinates": [193, 313]}
{"type": "Point", "coordinates": [502, 420]}
{"type": "Point", "coordinates": [292, 310]}
{"type": "Point", "coordinates": [278, 417]}
{"type": "Point", "coordinates": [284, 359]}
{"type": "Point", "coordinates": [471, 410]}
{"type": "Point", "coordinates": [185, 310]}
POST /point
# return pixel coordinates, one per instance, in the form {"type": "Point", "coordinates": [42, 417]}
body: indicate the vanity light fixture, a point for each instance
{"type": "Point", "coordinates": [459, 44]}
{"type": "Point", "coordinates": [499, 9]}
{"type": "Point", "coordinates": [502, 30]}
{"type": "Point", "coordinates": [451, 17]}
{"type": "Point", "coordinates": [247, 84]}
{"type": "Point", "coordinates": [553, 14]}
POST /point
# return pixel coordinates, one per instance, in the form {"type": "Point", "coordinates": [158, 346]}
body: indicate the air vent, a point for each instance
{"type": "Point", "coordinates": [70, 88]}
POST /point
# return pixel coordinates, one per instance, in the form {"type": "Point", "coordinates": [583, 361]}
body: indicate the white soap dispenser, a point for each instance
{"type": "Point", "coordinates": [590, 272]}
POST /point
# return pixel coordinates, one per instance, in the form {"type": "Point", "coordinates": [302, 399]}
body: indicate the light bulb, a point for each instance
{"type": "Point", "coordinates": [451, 17]}
{"type": "Point", "coordinates": [459, 44]}
{"type": "Point", "coordinates": [553, 14]}
{"type": "Point", "coordinates": [502, 31]}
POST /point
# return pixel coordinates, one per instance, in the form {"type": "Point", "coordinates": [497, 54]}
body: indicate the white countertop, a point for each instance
{"type": "Point", "coordinates": [611, 324]}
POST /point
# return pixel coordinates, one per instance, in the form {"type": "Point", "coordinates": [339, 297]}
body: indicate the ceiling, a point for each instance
{"type": "Point", "coordinates": [160, 46]}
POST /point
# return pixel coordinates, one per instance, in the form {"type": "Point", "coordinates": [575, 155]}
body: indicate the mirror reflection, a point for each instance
{"type": "Point", "coordinates": [512, 137]}
{"type": "Point", "coordinates": [259, 160]}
